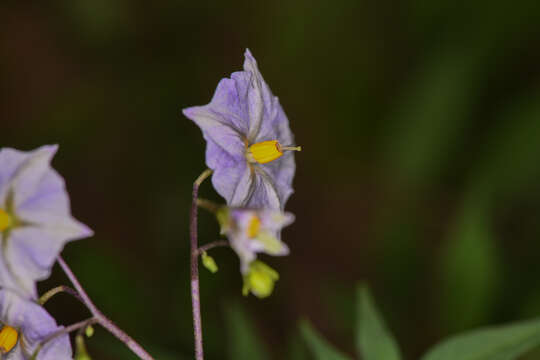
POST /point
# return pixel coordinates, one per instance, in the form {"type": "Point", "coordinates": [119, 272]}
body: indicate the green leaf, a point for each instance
{"type": "Point", "coordinates": [373, 340]}
{"type": "Point", "coordinates": [243, 343]}
{"type": "Point", "coordinates": [470, 266]}
{"type": "Point", "coordinates": [492, 343]}
{"type": "Point", "coordinates": [321, 349]}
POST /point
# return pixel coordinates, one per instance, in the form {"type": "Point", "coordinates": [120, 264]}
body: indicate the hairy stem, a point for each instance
{"type": "Point", "coordinates": [100, 318]}
{"type": "Point", "coordinates": [195, 294]}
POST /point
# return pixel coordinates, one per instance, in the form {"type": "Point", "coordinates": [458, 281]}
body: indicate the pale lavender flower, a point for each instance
{"type": "Point", "coordinates": [253, 231]}
{"type": "Point", "coordinates": [24, 326]}
{"type": "Point", "coordinates": [35, 218]}
{"type": "Point", "coordinates": [248, 138]}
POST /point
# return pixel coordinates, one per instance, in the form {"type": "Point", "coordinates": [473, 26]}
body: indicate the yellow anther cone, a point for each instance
{"type": "Point", "coordinates": [266, 151]}
{"type": "Point", "coordinates": [8, 339]}
{"type": "Point", "coordinates": [5, 220]}
{"type": "Point", "coordinates": [254, 227]}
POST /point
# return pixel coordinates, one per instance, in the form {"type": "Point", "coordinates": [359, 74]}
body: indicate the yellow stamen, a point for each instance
{"type": "Point", "coordinates": [266, 151]}
{"type": "Point", "coordinates": [253, 227]}
{"type": "Point", "coordinates": [5, 220]}
{"type": "Point", "coordinates": [8, 339]}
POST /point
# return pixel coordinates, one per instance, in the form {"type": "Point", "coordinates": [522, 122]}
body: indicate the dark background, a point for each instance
{"type": "Point", "coordinates": [420, 124]}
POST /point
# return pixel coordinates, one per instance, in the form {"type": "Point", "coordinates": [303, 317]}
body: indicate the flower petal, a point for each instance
{"type": "Point", "coordinates": [244, 187]}
{"type": "Point", "coordinates": [49, 206]}
{"type": "Point", "coordinates": [264, 193]}
{"type": "Point", "coordinates": [10, 161]}
{"type": "Point", "coordinates": [30, 173]}
{"type": "Point", "coordinates": [262, 105]}
{"type": "Point", "coordinates": [9, 281]}
{"type": "Point", "coordinates": [218, 129]}
{"type": "Point", "coordinates": [35, 324]}
{"type": "Point", "coordinates": [30, 251]}
{"type": "Point", "coordinates": [282, 172]}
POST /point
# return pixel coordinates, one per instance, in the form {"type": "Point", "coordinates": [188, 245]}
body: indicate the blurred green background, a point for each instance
{"type": "Point", "coordinates": [420, 123]}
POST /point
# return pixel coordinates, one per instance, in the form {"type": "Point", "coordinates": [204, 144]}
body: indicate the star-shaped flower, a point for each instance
{"type": "Point", "coordinates": [253, 231]}
{"type": "Point", "coordinates": [35, 218]}
{"type": "Point", "coordinates": [249, 141]}
{"type": "Point", "coordinates": [24, 325]}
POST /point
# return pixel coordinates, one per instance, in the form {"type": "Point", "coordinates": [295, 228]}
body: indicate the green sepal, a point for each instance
{"type": "Point", "coordinates": [224, 219]}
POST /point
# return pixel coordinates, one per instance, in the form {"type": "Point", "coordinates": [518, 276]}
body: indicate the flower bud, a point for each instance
{"type": "Point", "coordinates": [259, 280]}
{"type": "Point", "coordinates": [209, 263]}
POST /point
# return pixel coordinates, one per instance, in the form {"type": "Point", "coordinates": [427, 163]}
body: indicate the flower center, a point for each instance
{"type": "Point", "coordinates": [8, 339]}
{"type": "Point", "coordinates": [254, 227]}
{"type": "Point", "coordinates": [266, 151]}
{"type": "Point", "coordinates": [5, 220]}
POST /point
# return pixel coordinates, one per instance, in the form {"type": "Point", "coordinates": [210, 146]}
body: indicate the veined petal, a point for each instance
{"type": "Point", "coordinates": [244, 188]}
{"type": "Point", "coordinates": [261, 102]}
{"type": "Point", "coordinates": [229, 102]}
{"type": "Point", "coordinates": [264, 192]}
{"type": "Point", "coordinates": [227, 169]}
{"type": "Point", "coordinates": [282, 173]}
{"type": "Point", "coordinates": [217, 128]}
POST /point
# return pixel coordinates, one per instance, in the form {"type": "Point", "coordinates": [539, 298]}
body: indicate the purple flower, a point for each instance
{"type": "Point", "coordinates": [35, 219]}
{"type": "Point", "coordinates": [24, 326]}
{"type": "Point", "coordinates": [248, 140]}
{"type": "Point", "coordinates": [254, 231]}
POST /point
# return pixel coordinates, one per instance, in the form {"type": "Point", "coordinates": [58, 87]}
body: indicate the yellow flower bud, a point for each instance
{"type": "Point", "coordinates": [259, 280]}
{"type": "Point", "coordinates": [209, 263]}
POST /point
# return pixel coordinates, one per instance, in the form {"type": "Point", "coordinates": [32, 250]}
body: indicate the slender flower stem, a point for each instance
{"type": "Point", "coordinates": [208, 205]}
{"type": "Point", "coordinates": [101, 318]}
{"type": "Point", "coordinates": [57, 290]}
{"type": "Point", "coordinates": [80, 325]}
{"type": "Point", "coordinates": [195, 295]}
{"type": "Point", "coordinates": [212, 245]}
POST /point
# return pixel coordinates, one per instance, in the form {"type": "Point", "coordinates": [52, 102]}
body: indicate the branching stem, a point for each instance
{"type": "Point", "coordinates": [212, 245]}
{"type": "Point", "coordinates": [100, 318]}
{"type": "Point", "coordinates": [195, 293]}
